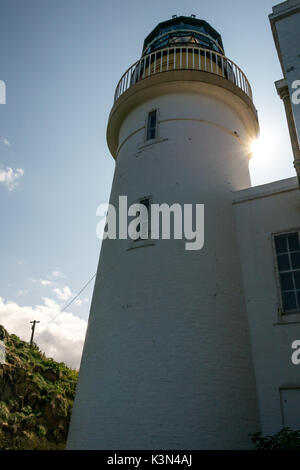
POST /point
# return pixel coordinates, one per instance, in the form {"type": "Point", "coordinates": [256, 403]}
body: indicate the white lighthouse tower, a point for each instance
{"type": "Point", "coordinates": [167, 361]}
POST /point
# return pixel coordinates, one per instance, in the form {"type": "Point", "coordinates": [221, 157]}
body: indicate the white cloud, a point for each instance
{"type": "Point", "coordinates": [64, 293]}
{"type": "Point", "coordinates": [45, 282]}
{"type": "Point", "coordinates": [6, 141]}
{"type": "Point", "coordinates": [56, 274]}
{"type": "Point", "coordinates": [61, 338]}
{"type": "Point", "coordinates": [9, 177]}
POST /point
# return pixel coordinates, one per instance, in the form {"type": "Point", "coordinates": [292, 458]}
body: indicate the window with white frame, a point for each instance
{"type": "Point", "coordinates": [151, 125]}
{"type": "Point", "coordinates": [287, 247]}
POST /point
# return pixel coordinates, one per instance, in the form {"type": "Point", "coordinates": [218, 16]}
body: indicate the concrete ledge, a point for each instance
{"type": "Point", "coordinates": [266, 190]}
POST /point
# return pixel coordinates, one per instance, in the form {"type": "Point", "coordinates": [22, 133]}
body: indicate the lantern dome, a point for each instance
{"type": "Point", "coordinates": [183, 31]}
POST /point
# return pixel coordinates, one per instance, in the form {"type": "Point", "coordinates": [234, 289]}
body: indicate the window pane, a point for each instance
{"type": "Point", "coordinates": [297, 279]}
{"type": "Point", "coordinates": [151, 125]}
{"type": "Point", "coordinates": [289, 301]}
{"type": "Point", "coordinates": [145, 223]}
{"type": "Point", "coordinates": [293, 242]}
{"type": "Point", "coordinates": [281, 244]}
{"type": "Point", "coordinates": [295, 260]}
{"type": "Point", "coordinates": [286, 280]}
{"type": "Point", "coordinates": [288, 261]}
{"type": "Point", "coordinates": [151, 133]}
{"type": "Point", "coordinates": [152, 119]}
{"type": "Point", "coordinates": [283, 262]}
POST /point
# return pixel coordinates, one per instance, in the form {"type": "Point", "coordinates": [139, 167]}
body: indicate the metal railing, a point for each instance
{"type": "Point", "coordinates": [183, 58]}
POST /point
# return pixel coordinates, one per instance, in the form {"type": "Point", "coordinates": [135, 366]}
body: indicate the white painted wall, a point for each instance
{"type": "Point", "coordinates": [261, 212]}
{"type": "Point", "coordinates": [167, 362]}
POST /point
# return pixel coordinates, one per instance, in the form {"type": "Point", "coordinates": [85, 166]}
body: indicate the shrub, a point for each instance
{"type": "Point", "coordinates": [285, 439]}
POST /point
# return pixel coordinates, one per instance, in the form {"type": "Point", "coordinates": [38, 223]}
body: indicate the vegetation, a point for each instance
{"type": "Point", "coordinates": [285, 439]}
{"type": "Point", "coordinates": [36, 397]}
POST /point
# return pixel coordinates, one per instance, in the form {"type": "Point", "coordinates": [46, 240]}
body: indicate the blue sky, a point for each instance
{"type": "Point", "coordinates": [61, 61]}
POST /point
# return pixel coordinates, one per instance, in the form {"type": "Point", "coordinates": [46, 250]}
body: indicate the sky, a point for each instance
{"type": "Point", "coordinates": [61, 61]}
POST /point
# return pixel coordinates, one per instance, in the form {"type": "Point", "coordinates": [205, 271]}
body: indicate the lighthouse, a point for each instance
{"type": "Point", "coordinates": [167, 361]}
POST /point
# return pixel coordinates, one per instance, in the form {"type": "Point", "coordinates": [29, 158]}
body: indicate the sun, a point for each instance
{"type": "Point", "coordinates": [260, 147]}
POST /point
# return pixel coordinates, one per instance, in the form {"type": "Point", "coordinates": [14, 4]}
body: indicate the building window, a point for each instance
{"type": "Point", "coordinates": [287, 248]}
{"type": "Point", "coordinates": [151, 125]}
{"type": "Point", "coordinates": [145, 201]}
{"type": "Point", "coordinates": [143, 227]}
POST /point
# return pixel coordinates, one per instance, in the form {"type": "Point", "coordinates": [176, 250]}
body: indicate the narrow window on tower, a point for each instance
{"type": "Point", "coordinates": [287, 249]}
{"type": "Point", "coordinates": [151, 125]}
{"type": "Point", "coordinates": [145, 229]}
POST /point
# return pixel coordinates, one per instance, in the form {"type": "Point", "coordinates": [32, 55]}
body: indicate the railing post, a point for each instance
{"type": "Point", "coordinates": [139, 70]}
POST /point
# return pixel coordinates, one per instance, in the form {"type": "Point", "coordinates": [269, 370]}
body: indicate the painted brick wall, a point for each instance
{"type": "Point", "coordinates": [167, 362]}
{"type": "Point", "coordinates": [261, 212]}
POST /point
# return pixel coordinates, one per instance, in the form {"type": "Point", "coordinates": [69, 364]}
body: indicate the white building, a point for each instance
{"type": "Point", "coordinates": [268, 227]}
{"type": "Point", "coordinates": [191, 349]}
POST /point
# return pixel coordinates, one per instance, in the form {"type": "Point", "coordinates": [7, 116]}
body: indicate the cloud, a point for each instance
{"type": "Point", "coordinates": [6, 141]}
{"type": "Point", "coordinates": [9, 177]}
{"type": "Point", "coordinates": [45, 282]}
{"type": "Point", "coordinates": [61, 338]}
{"type": "Point", "coordinates": [64, 293]}
{"type": "Point", "coordinates": [56, 274]}
{"type": "Point", "coordinates": [78, 302]}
